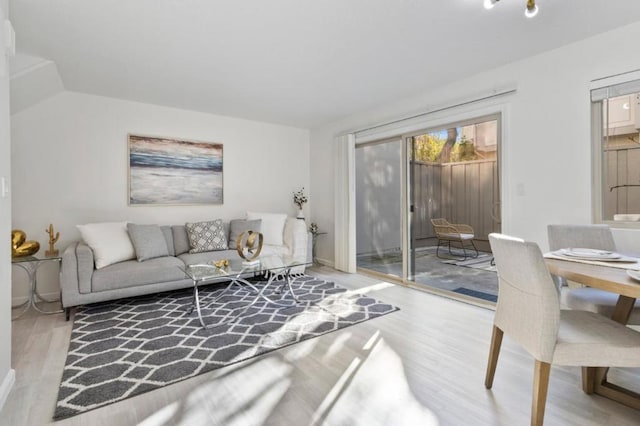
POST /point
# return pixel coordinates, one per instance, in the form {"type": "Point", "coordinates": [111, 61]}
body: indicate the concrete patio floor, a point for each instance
{"type": "Point", "coordinates": [431, 271]}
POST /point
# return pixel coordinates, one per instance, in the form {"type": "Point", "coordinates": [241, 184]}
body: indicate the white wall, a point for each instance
{"type": "Point", "coordinates": [6, 373]}
{"type": "Point", "coordinates": [546, 146]}
{"type": "Point", "coordinates": [69, 167]}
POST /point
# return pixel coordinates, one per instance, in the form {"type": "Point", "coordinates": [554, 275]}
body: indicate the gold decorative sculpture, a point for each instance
{"type": "Point", "coordinates": [246, 246]}
{"type": "Point", "coordinates": [52, 240]}
{"type": "Point", "coordinates": [20, 247]}
{"type": "Point", "coordinates": [221, 264]}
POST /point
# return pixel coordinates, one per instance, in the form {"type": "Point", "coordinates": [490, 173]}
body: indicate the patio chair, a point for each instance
{"type": "Point", "coordinates": [459, 234]}
{"type": "Point", "coordinates": [586, 298]}
{"type": "Point", "coordinates": [528, 311]}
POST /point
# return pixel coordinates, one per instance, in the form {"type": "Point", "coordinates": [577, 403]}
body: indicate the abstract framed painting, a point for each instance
{"type": "Point", "coordinates": [167, 171]}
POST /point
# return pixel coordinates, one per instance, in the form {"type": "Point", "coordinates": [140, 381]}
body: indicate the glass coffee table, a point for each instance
{"type": "Point", "coordinates": [238, 272]}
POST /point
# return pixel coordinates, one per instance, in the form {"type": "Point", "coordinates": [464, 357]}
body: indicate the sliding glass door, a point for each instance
{"type": "Point", "coordinates": [426, 203]}
{"type": "Point", "coordinates": [379, 206]}
{"type": "Point", "coordinates": [454, 204]}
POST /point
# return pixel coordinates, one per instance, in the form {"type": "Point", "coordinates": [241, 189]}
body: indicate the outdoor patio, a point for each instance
{"type": "Point", "coordinates": [473, 277]}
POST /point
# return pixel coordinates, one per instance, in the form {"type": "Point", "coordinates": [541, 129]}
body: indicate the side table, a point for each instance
{"type": "Point", "coordinates": [313, 247]}
{"type": "Point", "coordinates": [31, 264]}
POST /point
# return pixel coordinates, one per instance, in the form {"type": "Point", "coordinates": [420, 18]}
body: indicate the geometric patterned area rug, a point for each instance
{"type": "Point", "coordinates": [126, 347]}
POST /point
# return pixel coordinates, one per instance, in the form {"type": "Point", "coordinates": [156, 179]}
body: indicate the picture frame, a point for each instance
{"type": "Point", "coordinates": [172, 171]}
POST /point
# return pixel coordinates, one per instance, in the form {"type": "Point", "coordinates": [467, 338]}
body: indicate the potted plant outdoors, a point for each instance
{"type": "Point", "coordinates": [299, 199]}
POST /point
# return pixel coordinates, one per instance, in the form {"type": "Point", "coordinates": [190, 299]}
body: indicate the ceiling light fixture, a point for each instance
{"type": "Point", "coordinates": [530, 11]}
{"type": "Point", "coordinates": [488, 4]}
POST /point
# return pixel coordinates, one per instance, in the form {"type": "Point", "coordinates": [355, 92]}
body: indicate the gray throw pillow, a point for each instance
{"type": "Point", "coordinates": [206, 236]}
{"type": "Point", "coordinates": [168, 237]}
{"type": "Point", "coordinates": [148, 241]}
{"type": "Point", "coordinates": [238, 226]}
{"type": "Point", "coordinates": [180, 239]}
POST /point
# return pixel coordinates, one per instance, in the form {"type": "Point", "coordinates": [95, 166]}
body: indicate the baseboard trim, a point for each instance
{"type": "Point", "coordinates": [325, 262]}
{"type": "Point", "coordinates": [21, 299]}
{"type": "Point", "coordinates": [6, 386]}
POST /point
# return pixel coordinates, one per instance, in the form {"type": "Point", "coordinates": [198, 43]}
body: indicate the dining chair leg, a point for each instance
{"type": "Point", "coordinates": [540, 386]}
{"type": "Point", "coordinates": [494, 351]}
{"type": "Point", "coordinates": [588, 379]}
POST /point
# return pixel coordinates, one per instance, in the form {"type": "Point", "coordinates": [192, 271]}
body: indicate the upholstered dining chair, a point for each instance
{"type": "Point", "coordinates": [593, 237]}
{"type": "Point", "coordinates": [457, 233]}
{"type": "Point", "coordinates": [528, 310]}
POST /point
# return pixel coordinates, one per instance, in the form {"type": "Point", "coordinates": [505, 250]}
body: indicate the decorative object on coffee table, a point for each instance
{"type": "Point", "coordinates": [20, 247]}
{"type": "Point", "coordinates": [299, 199]}
{"type": "Point", "coordinates": [246, 246]}
{"type": "Point", "coordinates": [189, 172]}
{"type": "Point", "coordinates": [221, 264]}
{"type": "Point", "coordinates": [52, 240]}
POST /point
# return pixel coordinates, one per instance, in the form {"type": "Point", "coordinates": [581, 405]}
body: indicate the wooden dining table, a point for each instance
{"type": "Point", "coordinates": [615, 280]}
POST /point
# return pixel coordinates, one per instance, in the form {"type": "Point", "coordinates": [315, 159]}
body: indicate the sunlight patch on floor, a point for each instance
{"type": "Point", "coordinates": [373, 391]}
{"type": "Point", "coordinates": [228, 400]}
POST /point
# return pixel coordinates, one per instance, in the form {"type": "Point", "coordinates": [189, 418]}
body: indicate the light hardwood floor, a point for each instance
{"type": "Point", "coordinates": [422, 365]}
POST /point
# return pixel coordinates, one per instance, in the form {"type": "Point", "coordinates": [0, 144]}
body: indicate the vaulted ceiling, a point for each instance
{"type": "Point", "coordinates": [296, 62]}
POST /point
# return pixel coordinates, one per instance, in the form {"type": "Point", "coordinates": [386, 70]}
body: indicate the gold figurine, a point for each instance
{"type": "Point", "coordinates": [221, 264]}
{"type": "Point", "coordinates": [52, 240]}
{"type": "Point", "coordinates": [20, 246]}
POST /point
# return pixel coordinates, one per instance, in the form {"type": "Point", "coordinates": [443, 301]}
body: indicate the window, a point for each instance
{"type": "Point", "coordinates": [616, 148]}
{"type": "Point", "coordinates": [458, 143]}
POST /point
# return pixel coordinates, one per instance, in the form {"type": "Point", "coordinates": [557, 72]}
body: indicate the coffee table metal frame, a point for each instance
{"type": "Point", "coordinates": [237, 274]}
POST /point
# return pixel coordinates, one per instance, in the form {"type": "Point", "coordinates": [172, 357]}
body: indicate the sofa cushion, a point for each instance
{"type": "Point", "coordinates": [109, 242]}
{"type": "Point", "coordinates": [207, 257]}
{"type": "Point", "coordinates": [272, 226]}
{"type": "Point", "coordinates": [168, 236]}
{"type": "Point", "coordinates": [206, 236]}
{"type": "Point", "coordinates": [238, 226]}
{"type": "Point", "coordinates": [133, 273]}
{"type": "Point", "coordinates": [180, 239]}
{"type": "Point", "coordinates": [148, 241]}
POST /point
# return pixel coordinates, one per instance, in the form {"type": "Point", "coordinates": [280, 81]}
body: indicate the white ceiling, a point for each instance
{"type": "Point", "coordinates": [296, 62]}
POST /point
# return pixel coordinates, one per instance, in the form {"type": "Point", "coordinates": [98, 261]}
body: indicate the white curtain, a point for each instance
{"type": "Point", "coordinates": [345, 203]}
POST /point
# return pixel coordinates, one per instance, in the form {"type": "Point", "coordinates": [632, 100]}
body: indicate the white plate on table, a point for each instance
{"type": "Point", "coordinates": [634, 274]}
{"type": "Point", "coordinates": [590, 254]}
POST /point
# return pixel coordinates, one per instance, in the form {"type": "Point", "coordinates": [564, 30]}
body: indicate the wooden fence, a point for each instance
{"type": "Point", "coordinates": [622, 166]}
{"type": "Point", "coordinates": [466, 192]}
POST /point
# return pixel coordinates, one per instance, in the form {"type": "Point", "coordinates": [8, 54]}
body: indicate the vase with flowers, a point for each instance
{"type": "Point", "coordinates": [299, 199]}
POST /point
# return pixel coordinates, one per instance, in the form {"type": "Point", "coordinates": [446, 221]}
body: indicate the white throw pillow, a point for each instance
{"type": "Point", "coordinates": [109, 242]}
{"type": "Point", "coordinates": [272, 227]}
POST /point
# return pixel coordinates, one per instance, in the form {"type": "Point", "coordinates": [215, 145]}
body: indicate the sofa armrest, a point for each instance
{"type": "Point", "coordinates": [76, 272]}
{"type": "Point", "coordinates": [295, 238]}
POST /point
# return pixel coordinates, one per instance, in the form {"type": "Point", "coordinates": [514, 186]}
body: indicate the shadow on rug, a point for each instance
{"type": "Point", "coordinates": [130, 346]}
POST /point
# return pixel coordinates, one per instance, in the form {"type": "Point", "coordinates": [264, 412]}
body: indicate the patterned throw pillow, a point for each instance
{"type": "Point", "coordinates": [206, 236]}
